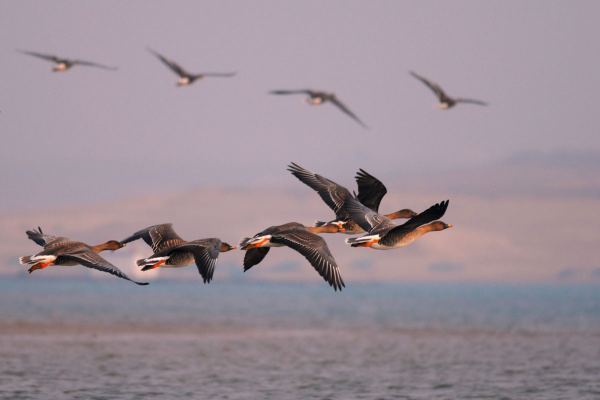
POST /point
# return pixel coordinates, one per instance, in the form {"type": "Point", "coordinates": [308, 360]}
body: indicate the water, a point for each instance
{"type": "Point", "coordinates": [85, 339]}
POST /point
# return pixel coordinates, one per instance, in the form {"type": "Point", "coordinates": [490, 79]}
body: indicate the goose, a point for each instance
{"type": "Point", "coordinates": [445, 100]}
{"type": "Point", "coordinates": [59, 250]}
{"type": "Point", "coordinates": [63, 64]}
{"type": "Point", "coordinates": [317, 97]}
{"type": "Point", "coordinates": [171, 251]}
{"type": "Point", "coordinates": [297, 237]}
{"type": "Point", "coordinates": [186, 78]}
{"type": "Point", "coordinates": [370, 193]}
{"type": "Point", "coordinates": [383, 234]}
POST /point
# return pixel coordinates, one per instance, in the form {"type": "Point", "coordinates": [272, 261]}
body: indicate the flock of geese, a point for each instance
{"type": "Point", "coordinates": [313, 97]}
{"type": "Point", "coordinates": [355, 214]}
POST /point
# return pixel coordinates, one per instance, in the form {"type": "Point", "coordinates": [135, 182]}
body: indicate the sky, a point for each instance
{"type": "Point", "coordinates": [90, 139]}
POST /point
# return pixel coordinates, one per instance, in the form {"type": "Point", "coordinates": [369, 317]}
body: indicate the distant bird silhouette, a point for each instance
{"type": "Point", "coordinates": [445, 100]}
{"type": "Point", "coordinates": [300, 238]}
{"type": "Point", "coordinates": [170, 250]}
{"type": "Point", "coordinates": [382, 234]}
{"type": "Point", "coordinates": [60, 250]}
{"type": "Point", "coordinates": [186, 78]}
{"type": "Point", "coordinates": [316, 98]}
{"type": "Point", "coordinates": [63, 64]}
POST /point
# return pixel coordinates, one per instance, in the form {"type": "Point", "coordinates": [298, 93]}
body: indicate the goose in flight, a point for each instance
{"type": "Point", "coordinates": [382, 234]}
{"type": "Point", "coordinates": [446, 101]}
{"type": "Point", "coordinates": [171, 251]}
{"type": "Point", "coordinates": [186, 78]}
{"type": "Point", "coordinates": [370, 192]}
{"type": "Point", "coordinates": [62, 64]}
{"type": "Point", "coordinates": [299, 238]}
{"type": "Point", "coordinates": [316, 97]}
{"type": "Point", "coordinates": [60, 250]}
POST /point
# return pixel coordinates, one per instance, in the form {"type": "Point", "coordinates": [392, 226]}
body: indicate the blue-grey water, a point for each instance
{"type": "Point", "coordinates": [88, 339]}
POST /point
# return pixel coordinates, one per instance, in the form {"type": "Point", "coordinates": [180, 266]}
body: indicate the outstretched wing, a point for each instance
{"type": "Point", "coordinates": [45, 240]}
{"type": "Point", "coordinates": [370, 189]}
{"type": "Point", "coordinates": [296, 91]}
{"type": "Point", "coordinates": [43, 56]}
{"type": "Point", "coordinates": [335, 101]}
{"type": "Point", "coordinates": [433, 213]}
{"type": "Point", "coordinates": [315, 250]}
{"type": "Point", "coordinates": [470, 101]}
{"type": "Point", "coordinates": [331, 193]}
{"type": "Point", "coordinates": [92, 260]}
{"type": "Point", "coordinates": [93, 64]}
{"type": "Point", "coordinates": [219, 74]}
{"type": "Point", "coordinates": [439, 92]}
{"type": "Point", "coordinates": [159, 237]}
{"type": "Point", "coordinates": [365, 217]}
{"type": "Point", "coordinates": [254, 256]}
{"type": "Point", "coordinates": [206, 252]}
{"type": "Point", "coordinates": [173, 66]}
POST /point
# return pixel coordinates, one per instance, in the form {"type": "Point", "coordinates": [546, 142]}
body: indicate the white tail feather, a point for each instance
{"type": "Point", "coordinates": [25, 260]}
{"type": "Point", "coordinates": [361, 239]}
{"type": "Point", "coordinates": [36, 259]}
{"type": "Point", "coordinates": [151, 261]}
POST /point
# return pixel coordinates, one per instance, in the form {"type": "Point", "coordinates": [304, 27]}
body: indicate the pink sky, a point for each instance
{"type": "Point", "coordinates": [96, 154]}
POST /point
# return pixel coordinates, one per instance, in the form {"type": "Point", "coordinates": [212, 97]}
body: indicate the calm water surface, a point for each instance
{"type": "Point", "coordinates": [79, 339]}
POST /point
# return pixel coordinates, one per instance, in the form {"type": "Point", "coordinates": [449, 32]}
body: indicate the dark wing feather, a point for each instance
{"type": "Point", "coordinates": [335, 101]}
{"type": "Point", "coordinates": [141, 234]}
{"type": "Point", "coordinates": [92, 260]}
{"type": "Point", "coordinates": [369, 220]}
{"type": "Point", "coordinates": [470, 101]}
{"type": "Point", "coordinates": [219, 74]}
{"type": "Point", "coordinates": [48, 57]}
{"type": "Point", "coordinates": [173, 66]}
{"type": "Point", "coordinates": [93, 64]}
{"type": "Point", "coordinates": [315, 250]}
{"type": "Point", "coordinates": [299, 91]}
{"type": "Point", "coordinates": [254, 256]}
{"type": "Point", "coordinates": [206, 252]}
{"type": "Point", "coordinates": [439, 92]}
{"type": "Point", "coordinates": [38, 236]}
{"type": "Point", "coordinates": [433, 213]}
{"type": "Point", "coordinates": [370, 189]}
{"type": "Point", "coordinates": [159, 237]}
{"type": "Point", "coordinates": [331, 193]}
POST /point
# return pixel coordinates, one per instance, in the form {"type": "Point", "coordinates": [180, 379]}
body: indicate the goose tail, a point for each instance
{"type": "Point", "coordinates": [25, 260]}
{"type": "Point", "coordinates": [361, 241]}
{"type": "Point", "coordinates": [151, 263]}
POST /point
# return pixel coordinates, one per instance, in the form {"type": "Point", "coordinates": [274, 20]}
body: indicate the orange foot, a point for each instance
{"type": "Point", "coordinates": [40, 265]}
{"type": "Point", "coordinates": [158, 264]}
{"type": "Point", "coordinates": [365, 244]}
{"type": "Point", "coordinates": [257, 244]}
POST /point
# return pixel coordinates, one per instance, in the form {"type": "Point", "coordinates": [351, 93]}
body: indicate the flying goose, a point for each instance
{"type": "Point", "coordinates": [60, 250]}
{"type": "Point", "coordinates": [316, 97]}
{"type": "Point", "coordinates": [382, 234]}
{"type": "Point", "coordinates": [300, 238]}
{"type": "Point", "coordinates": [170, 250]}
{"type": "Point", "coordinates": [445, 100]}
{"type": "Point", "coordinates": [62, 64]}
{"type": "Point", "coordinates": [186, 78]}
{"type": "Point", "coordinates": [370, 193]}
